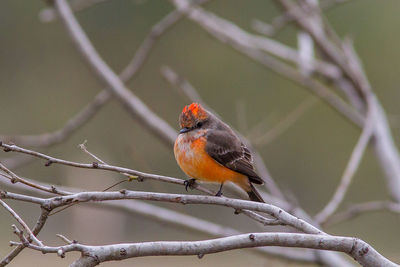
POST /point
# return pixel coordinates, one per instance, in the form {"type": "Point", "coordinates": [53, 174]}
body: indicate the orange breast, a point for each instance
{"type": "Point", "coordinates": [195, 162]}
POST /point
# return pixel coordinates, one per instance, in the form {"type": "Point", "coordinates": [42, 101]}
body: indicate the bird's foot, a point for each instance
{"type": "Point", "coordinates": [219, 193]}
{"type": "Point", "coordinates": [189, 183]}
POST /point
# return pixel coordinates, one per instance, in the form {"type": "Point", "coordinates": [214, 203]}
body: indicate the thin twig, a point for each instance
{"type": "Point", "coordinates": [14, 178]}
{"type": "Point", "coordinates": [84, 149]}
{"type": "Point", "coordinates": [283, 125]}
{"type": "Point", "coordinates": [49, 14]}
{"type": "Point", "coordinates": [362, 208]}
{"type": "Point", "coordinates": [142, 175]}
{"type": "Point", "coordinates": [21, 222]}
{"type": "Point", "coordinates": [350, 170]}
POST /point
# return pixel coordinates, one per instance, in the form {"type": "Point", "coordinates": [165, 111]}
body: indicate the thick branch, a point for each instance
{"type": "Point", "coordinates": [236, 204]}
{"type": "Point", "coordinates": [170, 217]}
{"type": "Point", "coordinates": [94, 255]}
{"type": "Point", "coordinates": [327, 258]}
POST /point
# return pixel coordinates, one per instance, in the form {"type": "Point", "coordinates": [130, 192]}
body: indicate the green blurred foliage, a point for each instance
{"type": "Point", "coordinates": [43, 82]}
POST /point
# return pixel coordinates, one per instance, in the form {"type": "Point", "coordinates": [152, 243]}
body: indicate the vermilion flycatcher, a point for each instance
{"type": "Point", "coordinates": [207, 149]}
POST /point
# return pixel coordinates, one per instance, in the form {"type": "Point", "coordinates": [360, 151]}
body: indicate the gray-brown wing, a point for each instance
{"type": "Point", "coordinates": [229, 151]}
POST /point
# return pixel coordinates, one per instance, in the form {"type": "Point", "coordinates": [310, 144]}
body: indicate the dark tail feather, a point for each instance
{"type": "Point", "coordinates": [254, 195]}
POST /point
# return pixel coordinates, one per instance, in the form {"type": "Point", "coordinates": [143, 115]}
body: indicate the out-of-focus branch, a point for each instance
{"type": "Point", "coordinates": [130, 101]}
{"type": "Point", "coordinates": [190, 92]}
{"type": "Point", "coordinates": [350, 170]}
{"type": "Point", "coordinates": [281, 21]}
{"type": "Point", "coordinates": [362, 208]}
{"type": "Point", "coordinates": [183, 86]}
{"type": "Point", "coordinates": [60, 135]}
{"type": "Point", "coordinates": [49, 14]}
{"type": "Point", "coordinates": [282, 126]}
{"type": "Point", "coordinates": [353, 82]}
{"type": "Point", "coordinates": [343, 55]}
{"type": "Point", "coordinates": [94, 255]}
{"type": "Point", "coordinates": [232, 35]}
{"type": "Point", "coordinates": [130, 71]}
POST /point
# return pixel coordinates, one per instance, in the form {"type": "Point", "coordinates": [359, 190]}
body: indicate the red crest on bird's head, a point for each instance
{"type": "Point", "coordinates": [191, 115]}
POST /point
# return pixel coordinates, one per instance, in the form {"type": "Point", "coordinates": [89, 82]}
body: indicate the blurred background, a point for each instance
{"type": "Point", "coordinates": [44, 82]}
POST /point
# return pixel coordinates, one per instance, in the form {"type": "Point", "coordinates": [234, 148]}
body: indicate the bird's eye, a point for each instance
{"type": "Point", "coordinates": [199, 124]}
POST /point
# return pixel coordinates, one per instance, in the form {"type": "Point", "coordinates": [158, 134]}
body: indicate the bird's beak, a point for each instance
{"type": "Point", "coordinates": [184, 130]}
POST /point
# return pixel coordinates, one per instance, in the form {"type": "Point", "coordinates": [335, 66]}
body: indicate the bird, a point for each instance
{"type": "Point", "coordinates": [207, 149]}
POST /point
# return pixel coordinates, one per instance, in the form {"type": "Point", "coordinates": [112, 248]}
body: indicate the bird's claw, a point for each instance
{"type": "Point", "coordinates": [219, 193]}
{"type": "Point", "coordinates": [189, 183]}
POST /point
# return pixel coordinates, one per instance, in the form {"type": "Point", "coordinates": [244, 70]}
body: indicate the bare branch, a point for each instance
{"type": "Point", "coordinates": [283, 125]}
{"type": "Point", "coordinates": [84, 149]}
{"type": "Point", "coordinates": [98, 166]}
{"type": "Point", "coordinates": [21, 222]}
{"type": "Point", "coordinates": [16, 162]}
{"type": "Point", "coordinates": [184, 87]}
{"type": "Point", "coordinates": [362, 208]}
{"type": "Point", "coordinates": [130, 71]}
{"type": "Point", "coordinates": [327, 258]}
{"type": "Point", "coordinates": [343, 55]}
{"type": "Point", "coordinates": [232, 35]}
{"type": "Point", "coordinates": [49, 14]}
{"type": "Point", "coordinates": [306, 54]}
{"type": "Point", "coordinates": [281, 21]}
{"type": "Point", "coordinates": [127, 172]}
{"type": "Point", "coordinates": [131, 102]}
{"type": "Point", "coordinates": [63, 238]}
{"type": "Point", "coordinates": [350, 170]}
{"type": "Point", "coordinates": [340, 54]}
{"type": "Point", "coordinates": [60, 135]}
{"type": "Point", "coordinates": [236, 204]}
{"type": "Point", "coordinates": [16, 179]}
{"type": "Point", "coordinates": [177, 219]}
{"type": "Point", "coordinates": [94, 255]}
{"type": "Point", "coordinates": [38, 227]}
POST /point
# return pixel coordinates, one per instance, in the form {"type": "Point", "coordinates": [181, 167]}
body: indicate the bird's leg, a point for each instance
{"type": "Point", "coordinates": [219, 193]}
{"type": "Point", "coordinates": [189, 183]}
